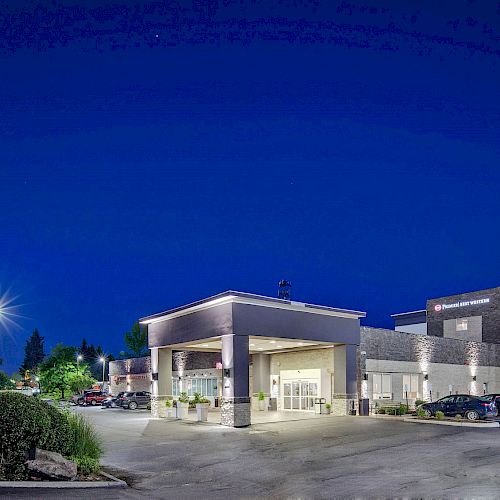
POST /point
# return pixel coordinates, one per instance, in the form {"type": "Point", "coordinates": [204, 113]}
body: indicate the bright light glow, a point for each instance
{"type": "Point", "coordinates": [102, 359]}
{"type": "Point", "coordinates": [204, 345]}
{"type": "Point", "coordinates": [279, 346]}
{"type": "Point", "coordinates": [252, 345]}
{"type": "Point", "coordinates": [9, 313]}
{"type": "Point", "coordinates": [272, 341]}
{"type": "Point", "coordinates": [79, 357]}
{"type": "Point", "coordinates": [260, 348]}
{"type": "Point", "coordinates": [300, 343]}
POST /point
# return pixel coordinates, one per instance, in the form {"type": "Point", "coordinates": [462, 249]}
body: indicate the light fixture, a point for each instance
{"type": "Point", "coordinates": [474, 378]}
{"type": "Point", "coordinates": [279, 346]}
{"type": "Point", "coordinates": [260, 348]}
{"type": "Point", "coordinates": [426, 377]}
{"type": "Point", "coordinates": [300, 343]}
{"type": "Point", "coordinates": [272, 341]}
{"type": "Point", "coordinates": [204, 345]}
{"type": "Point", "coordinates": [365, 376]}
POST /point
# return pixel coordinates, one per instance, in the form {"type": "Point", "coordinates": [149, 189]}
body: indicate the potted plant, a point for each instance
{"type": "Point", "coordinates": [182, 406]}
{"type": "Point", "coordinates": [262, 401]}
{"type": "Point", "coordinates": [202, 406]}
{"type": "Point", "coordinates": [328, 409]}
{"type": "Point", "coordinates": [170, 409]}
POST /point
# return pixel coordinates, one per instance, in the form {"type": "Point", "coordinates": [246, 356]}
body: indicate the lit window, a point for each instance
{"type": "Point", "coordinates": [410, 385]}
{"type": "Point", "coordinates": [462, 325]}
{"type": "Point", "coordinates": [382, 386]}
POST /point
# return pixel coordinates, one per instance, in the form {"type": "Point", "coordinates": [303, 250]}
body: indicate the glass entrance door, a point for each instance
{"type": "Point", "coordinates": [299, 395]}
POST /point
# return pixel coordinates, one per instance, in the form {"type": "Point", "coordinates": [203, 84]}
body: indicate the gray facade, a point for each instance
{"type": "Point", "coordinates": [483, 303]}
{"type": "Point", "coordinates": [379, 343]}
{"type": "Point", "coordinates": [241, 325]}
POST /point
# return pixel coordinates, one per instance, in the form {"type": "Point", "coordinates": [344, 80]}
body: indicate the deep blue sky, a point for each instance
{"type": "Point", "coordinates": [355, 153]}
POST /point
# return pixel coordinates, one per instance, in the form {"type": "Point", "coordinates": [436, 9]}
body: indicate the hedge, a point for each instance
{"type": "Point", "coordinates": [27, 422]}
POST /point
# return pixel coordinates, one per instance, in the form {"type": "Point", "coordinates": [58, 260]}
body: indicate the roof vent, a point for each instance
{"type": "Point", "coordinates": [284, 290]}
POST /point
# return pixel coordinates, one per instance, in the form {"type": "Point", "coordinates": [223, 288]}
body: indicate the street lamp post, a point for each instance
{"type": "Point", "coordinates": [78, 359]}
{"type": "Point", "coordinates": [102, 359]}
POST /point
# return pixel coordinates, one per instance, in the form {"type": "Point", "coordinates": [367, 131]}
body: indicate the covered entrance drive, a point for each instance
{"type": "Point", "coordinates": [276, 355]}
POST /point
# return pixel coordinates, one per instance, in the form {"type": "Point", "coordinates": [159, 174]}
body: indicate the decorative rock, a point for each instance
{"type": "Point", "coordinates": [52, 465]}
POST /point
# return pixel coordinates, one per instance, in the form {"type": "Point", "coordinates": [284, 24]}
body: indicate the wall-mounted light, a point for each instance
{"type": "Point", "coordinates": [426, 377]}
{"type": "Point", "coordinates": [154, 376]}
{"type": "Point", "coordinates": [365, 376]}
{"type": "Point", "coordinates": [227, 372]}
{"type": "Point", "coordinates": [474, 378]}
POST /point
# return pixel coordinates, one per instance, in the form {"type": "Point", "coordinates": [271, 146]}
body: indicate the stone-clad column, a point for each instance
{"type": "Point", "coordinates": [235, 404]}
{"type": "Point", "coordinates": [161, 384]}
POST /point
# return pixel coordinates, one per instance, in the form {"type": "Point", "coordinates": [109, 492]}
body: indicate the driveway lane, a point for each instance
{"type": "Point", "coordinates": [321, 458]}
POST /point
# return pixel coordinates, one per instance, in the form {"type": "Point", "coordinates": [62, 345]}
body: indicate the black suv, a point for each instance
{"type": "Point", "coordinates": [134, 400]}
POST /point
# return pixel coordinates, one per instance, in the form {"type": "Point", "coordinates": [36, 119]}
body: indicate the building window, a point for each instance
{"type": "Point", "coordinates": [382, 386]}
{"type": "Point", "coordinates": [462, 324]}
{"type": "Point", "coordinates": [410, 385]}
{"type": "Point", "coordinates": [203, 385]}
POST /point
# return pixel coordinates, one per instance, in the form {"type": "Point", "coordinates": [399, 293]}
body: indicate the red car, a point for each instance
{"type": "Point", "coordinates": [92, 397]}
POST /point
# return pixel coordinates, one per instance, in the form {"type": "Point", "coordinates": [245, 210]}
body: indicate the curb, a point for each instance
{"type": "Point", "coordinates": [484, 425]}
{"type": "Point", "coordinates": [113, 482]}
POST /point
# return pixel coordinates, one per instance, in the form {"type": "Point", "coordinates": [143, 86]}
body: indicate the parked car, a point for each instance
{"type": "Point", "coordinates": [134, 400]}
{"type": "Point", "coordinates": [494, 398]}
{"type": "Point", "coordinates": [91, 397]}
{"type": "Point", "coordinates": [470, 407]}
{"type": "Point", "coordinates": [112, 401]}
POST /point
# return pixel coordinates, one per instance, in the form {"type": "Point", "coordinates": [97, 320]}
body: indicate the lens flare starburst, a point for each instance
{"type": "Point", "coordinates": [9, 313]}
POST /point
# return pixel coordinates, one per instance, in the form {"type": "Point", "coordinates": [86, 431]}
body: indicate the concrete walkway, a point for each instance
{"type": "Point", "coordinates": [326, 457]}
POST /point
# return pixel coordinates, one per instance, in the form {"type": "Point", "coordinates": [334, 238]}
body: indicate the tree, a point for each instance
{"type": "Point", "coordinates": [6, 382]}
{"type": "Point", "coordinates": [137, 340]}
{"type": "Point", "coordinates": [60, 371]}
{"type": "Point", "coordinates": [33, 353]}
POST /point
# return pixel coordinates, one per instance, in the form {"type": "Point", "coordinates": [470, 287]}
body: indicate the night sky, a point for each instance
{"type": "Point", "coordinates": [153, 154]}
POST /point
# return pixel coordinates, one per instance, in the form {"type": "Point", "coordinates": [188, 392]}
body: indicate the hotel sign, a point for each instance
{"type": "Point", "coordinates": [463, 303]}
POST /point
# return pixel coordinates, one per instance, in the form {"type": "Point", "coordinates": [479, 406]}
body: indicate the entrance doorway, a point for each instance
{"type": "Point", "coordinates": [299, 395]}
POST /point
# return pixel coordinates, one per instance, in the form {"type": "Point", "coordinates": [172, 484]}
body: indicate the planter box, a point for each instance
{"type": "Point", "coordinates": [264, 404]}
{"type": "Point", "coordinates": [182, 410]}
{"type": "Point", "coordinates": [170, 412]}
{"type": "Point", "coordinates": [202, 412]}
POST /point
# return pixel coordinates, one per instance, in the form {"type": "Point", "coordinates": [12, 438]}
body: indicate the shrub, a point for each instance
{"type": "Point", "coordinates": [403, 409]}
{"type": "Point", "coordinates": [328, 406]}
{"type": "Point", "coordinates": [458, 417]}
{"type": "Point", "coordinates": [86, 465]}
{"type": "Point", "coordinates": [27, 422]}
{"type": "Point", "coordinates": [85, 442]}
{"type": "Point", "coordinates": [381, 411]}
{"type": "Point", "coordinates": [168, 403]}
{"type": "Point", "coordinates": [439, 415]}
{"type": "Point", "coordinates": [183, 397]}
{"type": "Point", "coordinates": [261, 396]}
{"type": "Point", "coordinates": [421, 413]}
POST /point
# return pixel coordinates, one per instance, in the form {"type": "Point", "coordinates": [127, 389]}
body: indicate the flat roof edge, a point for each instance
{"type": "Point", "coordinates": [409, 312]}
{"type": "Point", "coordinates": [233, 293]}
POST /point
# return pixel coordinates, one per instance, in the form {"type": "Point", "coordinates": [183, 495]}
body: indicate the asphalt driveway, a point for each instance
{"type": "Point", "coordinates": [320, 458]}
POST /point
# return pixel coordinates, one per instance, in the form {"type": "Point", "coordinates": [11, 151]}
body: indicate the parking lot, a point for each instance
{"type": "Point", "coordinates": [320, 458]}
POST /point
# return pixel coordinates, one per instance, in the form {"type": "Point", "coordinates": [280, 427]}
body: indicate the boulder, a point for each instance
{"type": "Point", "coordinates": [51, 465]}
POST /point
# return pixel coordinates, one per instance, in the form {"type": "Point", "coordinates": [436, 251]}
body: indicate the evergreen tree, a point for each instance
{"type": "Point", "coordinates": [137, 340]}
{"type": "Point", "coordinates": [33, 353]}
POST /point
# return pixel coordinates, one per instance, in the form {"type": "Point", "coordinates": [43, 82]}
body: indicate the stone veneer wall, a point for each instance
{"type": "Point", "coordinates": [379, 343]}
{"type": "Point", "coordinates": [235, 412]}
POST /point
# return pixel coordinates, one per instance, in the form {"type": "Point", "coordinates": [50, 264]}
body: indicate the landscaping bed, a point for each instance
{"type": "Point", "coordinates": [456, 422]}
{"type": "Point", "coordinates": [42, 443]}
